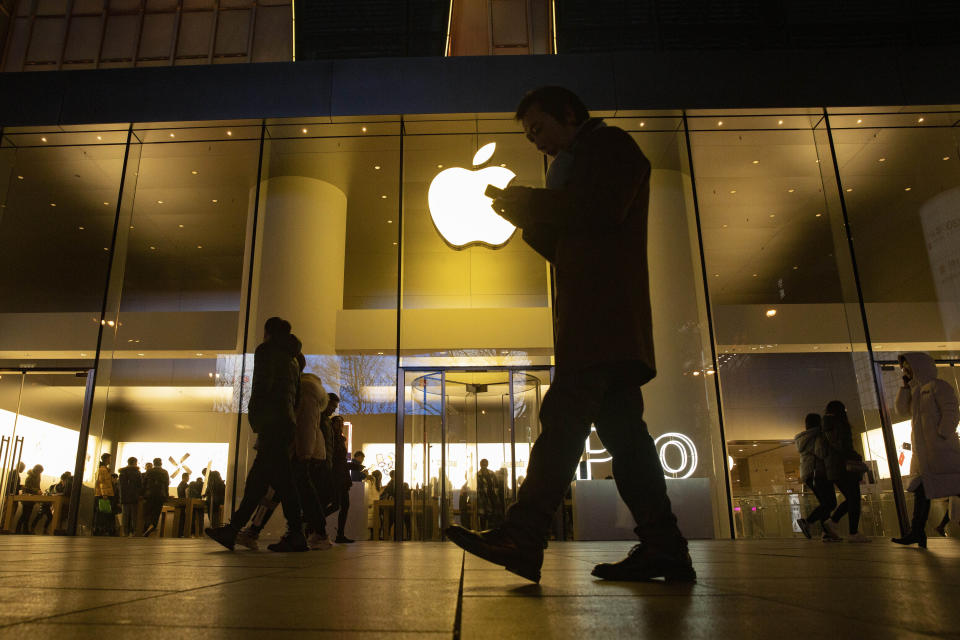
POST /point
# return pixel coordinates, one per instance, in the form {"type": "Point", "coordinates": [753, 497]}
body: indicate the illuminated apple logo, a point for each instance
{"type": "Point", "coordinates": [459, 209]}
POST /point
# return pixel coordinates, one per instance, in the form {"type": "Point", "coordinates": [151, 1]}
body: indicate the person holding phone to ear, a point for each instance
{"type": "Point", "coordinates": [934, 412]}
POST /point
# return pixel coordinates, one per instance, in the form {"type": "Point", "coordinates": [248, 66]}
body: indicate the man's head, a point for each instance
{"type": "Point", "coordinates": [333, 405]}
{"type": "Point", "coordinates": [37, 469]}
{"type": "Point", "coordinates": [301, 361]}
{"type": "Point", "coordinates": [157, 462]}
{"type": "Point", "coordinates": [358, 456]}
{"type": "Point", "coordinates": [105, 459]}
{"type": "Point", "coordinates": [812, 421]}
{"type": "Point", "coordinates": [484, 463]}
{"type": "Point", "coordinates": [275, 328]}
{"type": "Point", "coordinates": [551, 117]}
{"type": "Point", "coordinates": [132, 461]}
{"type": "Point", "coordinates": [147, 466]}
{"type": "Point", "coordinates": [186, 477]}
{"type": "Point", "coordinates": [21, 467]}
{"type": "Point", "coordinates": [337, 424]}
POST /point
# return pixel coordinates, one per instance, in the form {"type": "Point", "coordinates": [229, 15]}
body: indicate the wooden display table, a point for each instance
{"type": "Point", "coordinates": [57, 507]}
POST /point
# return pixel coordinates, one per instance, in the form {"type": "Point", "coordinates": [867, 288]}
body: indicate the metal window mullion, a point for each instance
{"type": "Point", "coordinates": [104, 15]}
{"type": "Point", "coordinates": [513, 435]}
{"type": "Point", "coordinates": [67, 20]}
{"type": "Point", "coordinates": [246, 316]}
{"type": "Point", "coordinates": [174, 41]}
{"type": "Point", "coordinates": [213, 31]}
{"type": "Point", "coordinates": [140, 21]}
{"type": "Point", "coordinates": [251, 28]}
{"type": "Point", "coordinates": [443, 453]}
{"type": "Point", "coordinates": [710, 327]}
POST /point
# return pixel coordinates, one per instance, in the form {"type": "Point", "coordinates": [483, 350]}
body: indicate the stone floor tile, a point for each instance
{"type": "Point", "coordinates": [18, 604]}
{"type": "Point", "coordinates": [322, 603]}
{"type": "Point", "coordinates": [49, 631]}
{"type": "Point", "coordinates": [689, 618]}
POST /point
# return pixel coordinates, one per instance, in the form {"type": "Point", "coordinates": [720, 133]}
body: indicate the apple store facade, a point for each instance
{"type": "Point", "coordinates": [794, 252]}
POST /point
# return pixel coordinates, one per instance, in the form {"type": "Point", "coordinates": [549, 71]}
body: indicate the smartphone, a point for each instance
{"type": "Point", "coordinates": [493, 192]}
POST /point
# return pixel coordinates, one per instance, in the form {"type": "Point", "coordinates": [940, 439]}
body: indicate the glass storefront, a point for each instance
{"type": "Point", "coordinates": [793, 254]}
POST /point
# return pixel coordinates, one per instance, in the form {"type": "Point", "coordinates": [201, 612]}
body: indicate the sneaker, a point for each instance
{"type": "Point", "coordinates": [644, 564]}
{"type": "Point", "coordinates": [804, 527]}
{"type": "Point", "coordinates": [292, 541]}
{"type": "Point", "coordinates": [343, 540]}
{"type": "Point", "coordinates": [858, 537]}
{"type": "Point", "coordinates": [318, 542]}
{"type": "Point", "coordinates": [499, 547]}
{"type": "Point", "coordinates": [830, 531]}
{"type": "Point", "coordinates": [248, 539]}
{"type": "Point", "coordinates": [225, 535]}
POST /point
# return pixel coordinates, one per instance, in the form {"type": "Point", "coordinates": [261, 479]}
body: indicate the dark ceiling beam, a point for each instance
{"type": "Point", "coordinates": [383, 86]}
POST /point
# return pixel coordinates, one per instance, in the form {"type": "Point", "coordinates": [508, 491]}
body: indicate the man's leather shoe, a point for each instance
{"type": "Point", "coordinates": [499, 547]}
{"type": "Point", "coordinates": [644, 564]}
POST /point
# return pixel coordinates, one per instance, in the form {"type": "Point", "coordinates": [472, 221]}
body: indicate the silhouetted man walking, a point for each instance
{"type": "Point", "coordinates": [591, 224]}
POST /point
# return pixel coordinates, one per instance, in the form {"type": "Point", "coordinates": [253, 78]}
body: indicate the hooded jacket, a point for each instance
{"type": "Point", "coordinates": [275, 387]}
{"type": "Point", "coordinates": [932, 406]}
{"type": "Point", "coordinates": [810, 464]}
{"type": "Point", "coordinates": [308, 440]}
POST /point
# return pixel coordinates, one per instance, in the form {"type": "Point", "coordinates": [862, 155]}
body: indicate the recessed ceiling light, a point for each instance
{"type": "Point", "coordinates": [859, 120]}
{"type": "Point", "coordinates": [724, 226]}
{"type": "Point", "coordinates": [716, 275]}
{"type": "Point", "coordinates": [819, 215]}
{"type": "Point", "coordinates": [779, 122]}
{"type": "Point", "coordinates": [773, 215]}
{"type": "Point", "coordinates": [105, 249]}
{"type": "Point", "coordinates": [199, 354]}
{"type": "Point", "coordinates": [756, 275]}
{"type": "Point", "coordinates": [383, 197]}
{"type": "Point", "coordinates": [946, 157]}
{"type": "Point", "coordinates": [99, 137]}
{"type": "Point", "coordinates": [394, 244]}
{"type": "Point", "coordinates": [364, 129]}
{"type": "Point", "coordinates": [199, 246]}
{"type": "Point", "coordinates": [790, 190]}
{"type": "Point", "coordinates": [756, 162]}
{"type": "Point", "coordinates": [140, 354]}
{"type": "Point", "coordinates": [195, 172]}
{"type": "Point", "coordinates": [303, 130]}
{"type": "Point", "coordinates": [43, 139]}
{"type": "Point", "coordinates": [848, 189]}
{"type": "Point", "coordinates": [53, 204]}
{"type": "Point", "coordinates": [733, 190]}
{"type": "Point", "coordinates": [907, 188]}
{"type": "Point", "coordinates": [83, 355]}
{"type": "Point", "coordinates": [81, 228]}
{"type": "Point", "coordinates": [719, 123]}
{"type": "Point", "coordinates": [920, 119]}
{"type": "Point", "coordinates": [771, 313]}
{"type": "Point", "coordinates": [795, 267]}
{"type": "Point", "coordinates": [503, 164]}
{"type": "Point", "coordinates": [180, 226]}
{"type": "Point", "coordinates": [159, 201]}
{"type": "Point", "coordinates": [439, 166]}
{"type": "Point", "coordinates": [19, 177]}
{"type": "Point", "coordinates": [106, 204]}
{"type": "Point", "coordinates": [172, 136]}
{"type": "Point", "coordinates": [376, 167]}
{"type": "Point", "coordinates": [379, 353]}
{"type": "Point", "coordinates": [881, 159]}
{"type": "Point", "coordinates": [214, 201]}
{"type": "Point", "coordinates": [643, 124]}
{"type": "Point", "coordinates": [152, 248]}
{"type": "Point", "coordinates": [389, 221]}
{"type": "Point", "coordinates": [131, 227]}
{"type": "Point", "coordinates": [229, 133]}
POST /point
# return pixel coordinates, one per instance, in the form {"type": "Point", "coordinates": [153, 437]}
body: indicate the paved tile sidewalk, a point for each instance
{"type": "Point", "coordinates": [148, 588]}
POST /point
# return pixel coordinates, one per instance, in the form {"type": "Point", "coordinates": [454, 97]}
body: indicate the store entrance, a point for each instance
{"type": "Point", "coordinates": [467, 435]}
{"type": "Point", "coordinates": [41, 414]}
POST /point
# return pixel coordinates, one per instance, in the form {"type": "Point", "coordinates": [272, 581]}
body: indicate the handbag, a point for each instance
{"type": "Point", "coordinates": [104, 506]}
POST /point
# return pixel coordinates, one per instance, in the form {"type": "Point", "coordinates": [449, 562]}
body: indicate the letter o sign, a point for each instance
{"type": "Point", "coordinates": [676, 444]}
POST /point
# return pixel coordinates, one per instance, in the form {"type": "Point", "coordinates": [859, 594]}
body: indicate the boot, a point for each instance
{"type": "Point", "coordinates": [499, 546]}
{"type": "Point", "coordinates": [914, 537]}
{"type": "Point", "coordinates": [644, 563]}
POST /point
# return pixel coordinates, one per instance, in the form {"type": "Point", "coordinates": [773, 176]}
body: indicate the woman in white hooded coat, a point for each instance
{"type": "Point", "coordinates": [932, 406]}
